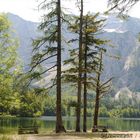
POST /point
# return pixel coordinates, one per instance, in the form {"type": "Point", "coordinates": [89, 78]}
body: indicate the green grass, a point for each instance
{"type": "Point", "coordinates": [8, 137]}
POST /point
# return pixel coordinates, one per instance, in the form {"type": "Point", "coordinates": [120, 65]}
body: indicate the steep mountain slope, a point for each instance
{"type": "Point", "coordinates": [25, 31]}
{"type": "Point", "coordinates": [123, 35]}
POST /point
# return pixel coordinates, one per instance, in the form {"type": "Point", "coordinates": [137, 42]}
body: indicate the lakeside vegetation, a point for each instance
{"type": "Point", "coordinates": [79, 90]}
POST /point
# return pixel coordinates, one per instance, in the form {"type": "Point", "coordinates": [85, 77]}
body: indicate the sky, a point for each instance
{"type": "Point", "coordinates": [27, 9]}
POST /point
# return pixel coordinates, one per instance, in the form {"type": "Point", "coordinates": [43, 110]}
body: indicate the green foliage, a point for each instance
{"type": "Point", "coordinates": [115, 113]}
{"type": "Point", "coordinates": [103, 112]}
{"type": "Point", "coordinates": [45, 46]}
{"type": "Point", "coordinates": [91, 29]}
{"type": "Point", "coordinates": [50, 106]}
{"type": "Point", "coordinates": [109, 107]}
{"type": "Point", "coordinates": [12, 80]}
{"type": "Point", "coordinates": [31, 105]}
{"type": "Point", "coordinates": [9, 98]}
{"type": "Point", "coordinates": [128, 112]}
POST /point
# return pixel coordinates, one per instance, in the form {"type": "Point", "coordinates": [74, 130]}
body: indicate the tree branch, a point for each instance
{"type": "Point", "coordinates": [48, 69]}
{"type": "Point", "coordinates": [42, 61]}
{"type": "Point", "coordinates": [106, 82]}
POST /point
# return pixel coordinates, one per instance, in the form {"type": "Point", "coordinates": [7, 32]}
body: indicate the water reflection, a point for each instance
{"type": "Point", "coordinates": [10, 125]}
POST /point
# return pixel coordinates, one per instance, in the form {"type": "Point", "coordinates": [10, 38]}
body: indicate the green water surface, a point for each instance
{"type": "Point", "coordinates": [47, 124]}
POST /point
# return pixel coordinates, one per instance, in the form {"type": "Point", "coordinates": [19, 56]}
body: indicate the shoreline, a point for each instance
{"type": "Point", "coordinates": [112, 135]}
{"type": "Point", "coordinates": [67, 117]}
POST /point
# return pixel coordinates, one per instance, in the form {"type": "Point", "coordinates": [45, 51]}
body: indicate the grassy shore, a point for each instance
{"type": "Point", "coordinates": [13, 137]}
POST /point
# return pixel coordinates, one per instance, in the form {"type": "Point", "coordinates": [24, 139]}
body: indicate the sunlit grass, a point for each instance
{"type": "Point", "coordinates": [10, 137]}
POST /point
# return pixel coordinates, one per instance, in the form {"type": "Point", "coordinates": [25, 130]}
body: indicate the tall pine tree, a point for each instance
{"type": "Point", "coordinates": [101, 87]}
{"type": "Point", "coordinates": [91, 28]}
{"type": "Point", "coordinates": [78, 110]}
{"type": "Point", "coordinates": [48, 48]}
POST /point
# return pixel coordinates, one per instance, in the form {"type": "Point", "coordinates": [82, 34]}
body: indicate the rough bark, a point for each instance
{"type": "Point", "coordinates": [59, 124]}
{"type": "Point", "coordinates": [78, 109]}
{"type": "Point", "coordinates": [85, 100]}
{"type": "Point", "coordinates": [97, 99]}
{"type": "Point", "coordinates": [96, 112]}
{"type": "Point", "coordinates": [85, 86]}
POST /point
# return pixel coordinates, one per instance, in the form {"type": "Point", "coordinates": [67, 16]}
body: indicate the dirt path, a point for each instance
{"type": "Point", "coordinates": [60, 138]}
{"type": "Point", "coordinates": [109, 136]}
{"type": "Point", "coordinates": [79, 136]}
{"type": "Point", "coordinates": [75, 138]}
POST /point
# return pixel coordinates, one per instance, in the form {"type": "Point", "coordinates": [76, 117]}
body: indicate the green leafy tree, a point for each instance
{"type": "Point", "coordinates": [30, 105]}
{"type": "Point", "coordinates": [9, 98]}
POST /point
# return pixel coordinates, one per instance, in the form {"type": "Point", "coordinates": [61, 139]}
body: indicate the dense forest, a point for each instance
{"type": "Point", "coordinates": [78, 88]}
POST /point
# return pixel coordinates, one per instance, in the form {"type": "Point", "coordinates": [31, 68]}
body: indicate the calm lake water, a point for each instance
{"type": "Point", "coordinates": [10, 125]}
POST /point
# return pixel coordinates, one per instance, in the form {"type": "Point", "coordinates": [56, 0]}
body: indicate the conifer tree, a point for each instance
{"type": "Point", "coordinates": [100, 87]}
{"type": "Point", "coordinates": [48, 49]}
{"type": "Point", "coordinates": [79, 25]}
{"type": "Point", "coordinates": [123, 6]}
{"type": "Point", "coordinates": [78, 110]}
{"type": "Point", "coordinates": [59, 125]}
{"type": "Point", "coordinates": [91, 27]}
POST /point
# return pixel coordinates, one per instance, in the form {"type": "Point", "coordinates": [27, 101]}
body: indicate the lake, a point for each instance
{"type": "Point", "coordinates": [46, 124]}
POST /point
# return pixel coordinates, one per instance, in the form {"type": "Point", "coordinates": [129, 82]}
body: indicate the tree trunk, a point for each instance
{"type": "Point", "coordinates": [97, 100]}
{"type": "Point", "coordinates": [85, 103]}
{"type": "Point", "coordinates": [96, 112]}
{"type": "Point", "coordinates": [59, 124]}
{"type": "Point", "coordinates": [85, 86]}
{"type": "Point", "coordinates": [78, 109]}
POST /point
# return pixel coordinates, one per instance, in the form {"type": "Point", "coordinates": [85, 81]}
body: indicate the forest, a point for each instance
{"type": "Point", "coordinates": [78, 86]}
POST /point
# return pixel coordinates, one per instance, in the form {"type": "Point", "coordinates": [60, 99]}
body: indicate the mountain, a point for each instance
{"type": "Point", "coordinates": [123, 35]}
{"type": "Point", "coordinates": [24, 31]}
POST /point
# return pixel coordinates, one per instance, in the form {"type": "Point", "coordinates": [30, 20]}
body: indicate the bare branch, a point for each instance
{"type": "Point", "coordinates": [48, 69]}
{"type": "Point", "coordinates": [106, 82]}
{"type": "Point", "coordinates": [42, 61]}
{"type": "Point", "coordinates": [103, 93]}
